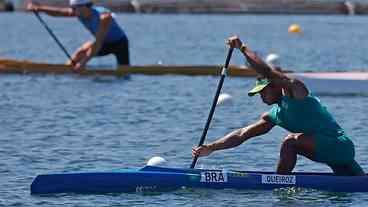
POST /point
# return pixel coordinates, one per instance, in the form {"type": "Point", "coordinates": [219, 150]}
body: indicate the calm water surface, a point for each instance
{"type": "Point", "coordinates": [69, 123]}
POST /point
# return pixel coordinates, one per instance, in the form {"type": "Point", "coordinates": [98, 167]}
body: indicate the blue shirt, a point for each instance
{"type": "Point", "coordinates": [115, 32]}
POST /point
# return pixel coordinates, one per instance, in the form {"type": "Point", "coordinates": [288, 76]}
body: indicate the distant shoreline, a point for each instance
{"type": "Point", "coordinates": [226, 7]}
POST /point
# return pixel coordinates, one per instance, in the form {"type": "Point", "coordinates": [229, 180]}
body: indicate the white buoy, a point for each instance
{"type": "Point", "coordinates": [224, 98]}
{"type": "Point", "coordinates": [273, 59]}
{"type": "Point", "coordinates": [350, 7]}
{"type": "Point", "coordinates": [136, 5]}
{"type": "Point", "coordinates": [156, 161]}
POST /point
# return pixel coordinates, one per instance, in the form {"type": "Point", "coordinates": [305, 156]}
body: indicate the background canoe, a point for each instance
{"type": "Point", "coordinates": [335, 83]}
{"type": "Point", "coordinates": [331, 83]}
{"type": "Point", "coordinates": [17, 66]}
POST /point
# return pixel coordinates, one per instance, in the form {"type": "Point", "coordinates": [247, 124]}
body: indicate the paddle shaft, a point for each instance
{"type": "Point", "coordinates": [53, 36]}
{"type": "Point", "coordinates": [214, 103]}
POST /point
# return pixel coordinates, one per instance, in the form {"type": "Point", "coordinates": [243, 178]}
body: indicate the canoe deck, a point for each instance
{"type": "Point", "coordinates": [331, 83]}
{"type": "Point", "coordinates": [163, 179]}
{"type": "Point", "coordinates": [28, 67]}
{"type": "Point", "coordinates": [354, 75]}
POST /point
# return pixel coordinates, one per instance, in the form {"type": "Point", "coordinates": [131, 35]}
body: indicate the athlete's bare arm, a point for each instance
{"type": "Point", "coordinates": [237, 137]}
{"type": "Point", "coordinates": [50, 10]}
{"type": "Point", "coordinates": [292, 86]}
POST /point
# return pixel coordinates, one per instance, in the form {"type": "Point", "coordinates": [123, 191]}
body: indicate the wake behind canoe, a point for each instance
{"type": "Point", "coordinates": [152, 178]}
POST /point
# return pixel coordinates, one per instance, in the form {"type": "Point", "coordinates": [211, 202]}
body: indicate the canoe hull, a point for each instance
{"type": "Point", "coordinates": [9, 66]}
{"type": "Point", "coordinates": [333, 83]}
{"type": "Point", "coordinates": [163, 179]}
{"type": "Point", "coordinates": [329, 83]}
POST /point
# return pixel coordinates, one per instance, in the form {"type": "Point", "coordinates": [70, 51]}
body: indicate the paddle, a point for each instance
{"type": "Point", "coordinates": [214, 102]}
{"type": "Point", "coordinates": [54, 36]}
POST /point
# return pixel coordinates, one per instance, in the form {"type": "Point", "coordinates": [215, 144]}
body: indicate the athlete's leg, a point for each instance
{"type": "Point", "coordinates": [119, 49]}
{"type": "Point", "coordinates": [81, 52]}
{"type": "Point", "coordinates": [293, 145]}
{"type": "Point", "coordinates": [122, 53]}
{"type": "Point", "coordinates": [351, 169]}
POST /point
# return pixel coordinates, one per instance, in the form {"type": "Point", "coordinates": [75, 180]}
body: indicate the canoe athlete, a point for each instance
{"type": "Point", "coordinates": [109, 36]}
{"type": "Point", "coordinates": [314, 133]}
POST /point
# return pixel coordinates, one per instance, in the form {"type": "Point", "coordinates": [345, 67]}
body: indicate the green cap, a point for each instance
{"type": "Point", "coordinates": [260, 85]}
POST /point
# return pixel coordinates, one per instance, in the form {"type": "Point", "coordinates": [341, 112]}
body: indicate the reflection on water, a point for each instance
{"type": "Point", "coordinates": [295, 196]}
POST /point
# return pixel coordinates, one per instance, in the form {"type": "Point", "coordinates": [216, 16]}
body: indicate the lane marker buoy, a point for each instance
{"type": "Point", "coordinates": [156, 161]}
{"type": "Point", "coordinates": [224, 98]}
{"type": "Point", "coordinates": [295, 28]}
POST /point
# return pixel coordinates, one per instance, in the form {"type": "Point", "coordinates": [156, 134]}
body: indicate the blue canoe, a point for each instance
{"type": "Point", "coordinates": [152, 178]}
